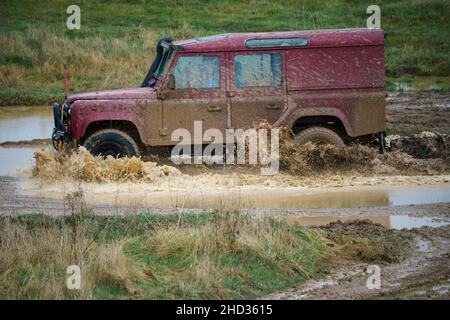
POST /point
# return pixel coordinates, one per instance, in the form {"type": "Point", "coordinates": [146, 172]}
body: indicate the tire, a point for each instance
{"type": "Point", "coordinates": [111, 142]}
{"type": "Point", "coordinates": [319, 135]}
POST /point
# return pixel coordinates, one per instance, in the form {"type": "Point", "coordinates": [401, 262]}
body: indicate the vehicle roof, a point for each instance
{"type": "Point", "coordinates": [316, 38]}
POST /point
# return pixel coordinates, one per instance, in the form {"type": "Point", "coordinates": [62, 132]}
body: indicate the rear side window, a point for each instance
{"type": "Point", "coordinates": [256, 70]}
{"type": "Point", "coordinates": [197, 72]}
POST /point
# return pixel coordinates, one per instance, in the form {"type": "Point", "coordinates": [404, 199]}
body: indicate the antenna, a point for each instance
{"type": "Point", "coordinates": [65, 82]}
{"type": "Point", "coordinates": [66, 88]}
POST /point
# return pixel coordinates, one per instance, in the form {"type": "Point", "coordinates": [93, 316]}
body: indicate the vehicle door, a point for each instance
{"type": "Point", "coordinates": [198, 93]}
{"type": "Point", "coordinates": [257, 87]}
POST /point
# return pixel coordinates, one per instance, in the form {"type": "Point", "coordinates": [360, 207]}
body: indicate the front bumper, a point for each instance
{"type": "Point", "coordinates": [61, 131]}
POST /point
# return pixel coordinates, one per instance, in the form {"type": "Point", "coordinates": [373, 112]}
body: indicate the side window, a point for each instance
{"type": "Point", "coordinates": [197, 72]}
{"type": "Point", "coordinates": [255, 70]}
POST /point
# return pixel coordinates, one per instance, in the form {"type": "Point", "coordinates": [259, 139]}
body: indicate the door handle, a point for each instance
{"type": "Point", "coordinates": [214, 109]}
{"type": "Point", "coordinates": [273, 106]}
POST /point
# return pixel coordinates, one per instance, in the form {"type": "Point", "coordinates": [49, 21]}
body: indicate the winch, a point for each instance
{"type": "Point", "coordinates": [61, 131]}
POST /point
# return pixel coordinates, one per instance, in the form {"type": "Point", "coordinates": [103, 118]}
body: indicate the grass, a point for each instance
{"type": "Point", "coordinates": [115, 45]}
{"type": "Point", "coordinates": [207, 256]}
{"type": "Point", "coordinates": [214, 255]}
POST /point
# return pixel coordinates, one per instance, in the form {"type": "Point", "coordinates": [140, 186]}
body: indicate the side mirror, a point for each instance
{"type": "Point", "coordinates": [171, 82]}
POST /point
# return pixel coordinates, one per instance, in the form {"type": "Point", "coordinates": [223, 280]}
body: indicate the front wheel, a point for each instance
{"type": "Point", "coordinates": [111, 142]}
{"type": "Point", "coordinates": [319, 135]}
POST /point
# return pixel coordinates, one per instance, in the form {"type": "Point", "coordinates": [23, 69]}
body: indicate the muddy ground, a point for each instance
{"type": "Point", "coordinates": [414, 112]}
{"type": "Point", "coordinates": [423, 274]}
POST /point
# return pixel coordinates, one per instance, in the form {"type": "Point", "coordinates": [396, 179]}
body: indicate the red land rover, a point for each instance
{"type": "Point", "coordinates": [326, 85]}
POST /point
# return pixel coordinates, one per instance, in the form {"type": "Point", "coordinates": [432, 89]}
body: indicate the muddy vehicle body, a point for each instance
{"type": "Point", "coordinates": [325, 85]}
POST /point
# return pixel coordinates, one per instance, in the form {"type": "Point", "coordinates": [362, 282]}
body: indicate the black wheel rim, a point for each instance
{"type": "Point", "coordinates": [110, 149]}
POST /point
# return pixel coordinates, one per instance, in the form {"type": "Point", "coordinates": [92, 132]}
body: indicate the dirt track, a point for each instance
{"type": "Point", "coordinates": [424, 274]}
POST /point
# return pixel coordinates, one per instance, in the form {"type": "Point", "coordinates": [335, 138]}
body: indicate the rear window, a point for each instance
{"type": "Point", "coordinates": [197, 72]}
{"type": "Point", "coordinates": [256, 70]}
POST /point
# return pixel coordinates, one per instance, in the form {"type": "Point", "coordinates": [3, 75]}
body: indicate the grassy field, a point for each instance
{"type": "Point", "coordinates": [114, 47]}
{"type": "Point", "coordinates": [215, 255]}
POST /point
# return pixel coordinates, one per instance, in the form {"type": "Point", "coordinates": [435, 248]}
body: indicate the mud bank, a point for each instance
{"type": "Point", "coordinates": [425, 145]}
{"type": "Point", "coordinates": [423, 274]}
{"type": "Point", "coordinates": [414, 112]}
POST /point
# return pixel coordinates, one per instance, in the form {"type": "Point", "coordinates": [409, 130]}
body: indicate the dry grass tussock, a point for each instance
{"type": "Point", "coordinates": [206, 248]}
{"type": "Point", "coordinates": [34, 258]}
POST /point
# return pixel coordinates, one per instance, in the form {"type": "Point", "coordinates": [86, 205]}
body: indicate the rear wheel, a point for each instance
{"type": "Point", "coordinates": [319, 135]}
{"type": "Point", "coordinates": [111, 142]}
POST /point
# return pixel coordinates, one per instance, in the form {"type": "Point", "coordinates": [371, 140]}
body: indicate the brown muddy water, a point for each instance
{"type": "Point", "coordinates": [353, 197]}
{"type": "Point", "coordinates": [22, 124]}
{"type": "Point", "coordinates": [25, 123]}
{"type": "Point", "coordinates": [251, 197]}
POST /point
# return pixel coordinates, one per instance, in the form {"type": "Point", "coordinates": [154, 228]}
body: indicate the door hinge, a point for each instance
{"type": "Point", "coordinates": [163, 132]}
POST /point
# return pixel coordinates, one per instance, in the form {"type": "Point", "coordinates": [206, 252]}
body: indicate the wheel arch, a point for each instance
{"type": "Point", "coordinates": [304, 117]}
{"type": "Point", "coordinates": [331, 122]}
{"type": "Point", "coordinates": [126, 126]}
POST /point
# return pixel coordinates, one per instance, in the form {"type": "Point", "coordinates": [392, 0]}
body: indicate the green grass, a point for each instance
{"type": "Point", "coordinates": [213, 255]}
{"type": "Point", "coordinates": [206, 256]}
{"type": "Point", "coordinates": [114, 47]}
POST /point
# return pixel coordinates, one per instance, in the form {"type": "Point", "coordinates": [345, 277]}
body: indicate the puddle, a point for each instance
{"type": "Point", "coordinates": [256, 197]}
{"type": "Point", "coordinates": [407, 222]}
{"type": "Point", "coordinates": [187, 194]}
{"type": "Point", "coordinates": [22, 124]}
{"type": "Point", "coordinates": [391, 222]}
{"type": "Point", "coordinates": [421, 83]}
{"type": "Point", "coordinates": [424, 245]}
{"type": "Point", "coordinates": [25, 123]}
{"type": "Point", "coordinates": [12, 159]}
{"type": "Point", "coordinates": [442, 289]}
{"type": "Point", "coordinates": [419, 195]}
